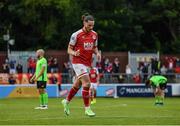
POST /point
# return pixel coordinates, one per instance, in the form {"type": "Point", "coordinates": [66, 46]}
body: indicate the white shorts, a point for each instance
{"type": "Point", "coordinates": [93, 86]}
{"type": "Point", "coordinates": [80, 70]}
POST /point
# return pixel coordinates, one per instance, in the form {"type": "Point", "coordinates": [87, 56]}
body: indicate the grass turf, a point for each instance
{"type": "Point", "coordinates": [109, 111]}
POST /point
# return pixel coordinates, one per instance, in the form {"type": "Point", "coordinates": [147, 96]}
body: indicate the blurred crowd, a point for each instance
{"type": "Point", "coordinates": [12, 67]}
{"type": "Point", "coordinates": [110, 71]}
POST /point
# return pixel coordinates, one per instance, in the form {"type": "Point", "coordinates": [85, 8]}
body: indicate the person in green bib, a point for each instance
{"type": "Point", "coordinates": [40, 77]}
{"type": "Point", "coordinates": [158, 82]}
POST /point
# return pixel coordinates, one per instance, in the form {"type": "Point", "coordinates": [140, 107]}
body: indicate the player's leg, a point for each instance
{"type": "Point", "coordinates": [40, 95]}
{"type": "Point", "coordinates": [161, 101]}
{"type": "Point", "coordinates": [43, 96]}
{"type": "Point", "coordinates": [76, 86]}
{"type": "Point", "coordinates": [91, 93]}
{"type": "Point", "coordinates": [95, 92]}
{"type": "Point", "coordinates": [85, 94]}
{"type": "Point", "coordinates": [162, 93]}
{"type": "Point", "coordinates": [156, 95]}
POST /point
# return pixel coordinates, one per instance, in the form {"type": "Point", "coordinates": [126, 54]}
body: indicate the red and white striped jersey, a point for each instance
{"type": "Point", "coordinates": [85, 42]}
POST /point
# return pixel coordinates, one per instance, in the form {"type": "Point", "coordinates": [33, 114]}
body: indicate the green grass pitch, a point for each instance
{"type": "Point", "coordinates": [109, 111]}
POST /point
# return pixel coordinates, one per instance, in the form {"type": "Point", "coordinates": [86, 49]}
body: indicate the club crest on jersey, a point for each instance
{"type": "Point", "coordinates": [94, 37]}
{"type": "Point", "coordinates": [83, 37]}
{"type": "Point", "coordinates": [88, 45]}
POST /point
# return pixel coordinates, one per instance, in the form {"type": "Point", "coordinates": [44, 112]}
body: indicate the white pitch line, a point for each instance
{"type": "Point", "coordinates": [55, 118]}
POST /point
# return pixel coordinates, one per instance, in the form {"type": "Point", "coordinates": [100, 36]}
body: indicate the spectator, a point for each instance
{"type": "Point", "coordinates": [12, 79]}
{"type": "Point", "coordinates": [108, 70]}
{"type": "Point", "coordinates": [163, 70]}
{"type": "Point", "coordinates": [145, 71]}
{"type": "Point", "coordinates": [116, 70]}
{"type": "Point", "coordinates": [65, 72]}
{"type": "Point", "coordinates": [99, 66]}
{"type": "Point", "coordinates": [5, 68]}
{"type": "Point", "coordinates": [128, 72]}
{"type": "Point", "coordinates": [137, 78]}
{"type": "Point", "coordinates": [50, 64]}
{"type": "Point", "coordinates": [12, 68]}
{"type": "Point", "coordinates": [19, 68]}
{"type": "Point", "coordinates": [54, 66]}
{"type": "Point", "coordinates": [53, 79]}
{"type": "Point", "coordinates": [177, 62]}
{"type": "Point", "coordinates": [155, 66]}
{"type": "Point", "coordinates": [31, 65]}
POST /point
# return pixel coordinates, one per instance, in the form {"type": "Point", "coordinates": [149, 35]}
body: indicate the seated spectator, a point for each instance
{"type": "Point", "coordinates": [19, 68]}
{"type": "Point", "coordinates": [11, 79]}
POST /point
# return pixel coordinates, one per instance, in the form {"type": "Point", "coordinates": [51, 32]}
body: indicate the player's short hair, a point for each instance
{"type": "Point", "coordinates": [41, 51]}
{"type": "Point", "coordinates": [87, 17]}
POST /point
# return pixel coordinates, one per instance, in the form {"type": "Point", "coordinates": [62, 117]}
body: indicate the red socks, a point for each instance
{"type": "Point", "coordinates": [85, 96]}
{"type": "Point", "coordinates": [72, 92]}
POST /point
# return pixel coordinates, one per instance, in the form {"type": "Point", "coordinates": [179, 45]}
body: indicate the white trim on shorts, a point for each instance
{"type": "Point", "coordinates": [93, 86]}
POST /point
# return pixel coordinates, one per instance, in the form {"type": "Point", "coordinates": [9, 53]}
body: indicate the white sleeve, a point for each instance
{"type": "Point", "coordinates": [96, 42]}
{"type": "Point", "coordinates": [73, 39]}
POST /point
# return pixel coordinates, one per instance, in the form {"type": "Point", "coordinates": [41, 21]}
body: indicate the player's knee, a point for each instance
{"type": "Point", "coordinates": [88, 85]}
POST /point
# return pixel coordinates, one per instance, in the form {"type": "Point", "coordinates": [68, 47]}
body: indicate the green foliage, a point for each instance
{"type": "Point", "coordinates": [122, 25]}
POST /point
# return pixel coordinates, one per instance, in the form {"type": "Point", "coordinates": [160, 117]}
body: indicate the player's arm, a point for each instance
{"type": "Point", "coordinates": [157, 88]}
{"type": "Point", "coordinates": [40, 73]}
{"type": "Point", "coordinates": [71, 45]}
{"type": "Point", "coordinates": [32, 78]}
{"type": "Point", "coordinates": [96, 51]}
{"type": "Point", "coordinates": [70, 51]}
{"type": "Point", "coordinates": [98, 79]}
{"type": "Point", "coordinates": [98, 76]}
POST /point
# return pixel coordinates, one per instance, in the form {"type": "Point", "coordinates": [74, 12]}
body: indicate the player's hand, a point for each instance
{"type": "Point", "coordinates": [77, 53]}
{"type": "Point", "coordinates": [98, 56]}
{"type": "Point", "coordinates": [31, 80]}
{"type": "Point", "coordinates": [35, 79]}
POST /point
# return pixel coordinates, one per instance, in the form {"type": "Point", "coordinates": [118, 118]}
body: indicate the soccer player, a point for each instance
{"type": "Point", "coordinates": [94, 77]}
{"type": "Point", "coordinates": [158, 83]}
{"type": "Point", "coordinates": [83, 43]}
{"type": "Point", "coordinates": [40, 77]}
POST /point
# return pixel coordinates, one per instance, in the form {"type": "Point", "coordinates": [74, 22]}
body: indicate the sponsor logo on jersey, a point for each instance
{"type": "Point", "coordinates": [88, 45]}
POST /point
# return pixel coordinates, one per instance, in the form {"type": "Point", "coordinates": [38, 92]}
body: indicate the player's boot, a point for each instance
{"type": "Point", "coordinates": [161, 103]}
{"type": "Point", "coordinates": [89, 112]}
{"type": "Point", "coordinates": [44, 107]}
{"type": "Point", "coordinates": [93, 101]}
{"type": "Point", "coordinates": [39, 107]}
{"type": "Point", "coordinates": [156, 103]}
{"type": "Point", "coordinates": [66, 107]}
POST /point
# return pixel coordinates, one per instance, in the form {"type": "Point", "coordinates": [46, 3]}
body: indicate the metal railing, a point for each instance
{"type": "Point", "coordinates": [107, 78]}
